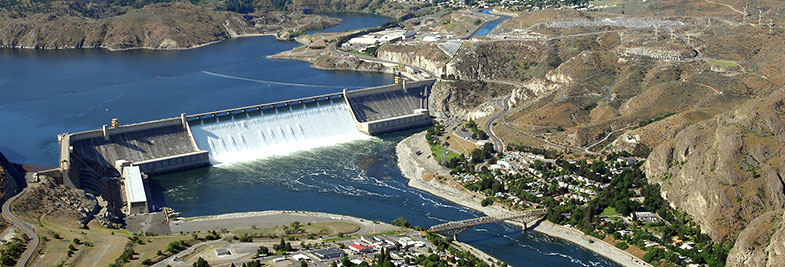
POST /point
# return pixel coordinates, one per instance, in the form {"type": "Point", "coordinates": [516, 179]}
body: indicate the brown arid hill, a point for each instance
{"type": "Point", "coordinates": [728, 172]}
{"type": "Point", "coordinates": [714, 118]}
{"type": "Point", "coordinates": [177, 25]}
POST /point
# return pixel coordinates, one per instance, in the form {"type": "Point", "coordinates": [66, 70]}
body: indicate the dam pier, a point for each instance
{"type": "Point", "coordinates": [114, 161]}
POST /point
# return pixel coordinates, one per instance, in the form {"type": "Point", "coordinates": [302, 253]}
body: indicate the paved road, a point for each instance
{"type": "Point", "coordinates": [26, 228]}
{"type": "Point", "coordinates": [335, 51]}
{"type": "Point", "coordinates": [497, 143]}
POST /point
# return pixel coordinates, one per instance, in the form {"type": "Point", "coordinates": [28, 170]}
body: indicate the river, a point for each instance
{"type": "Point", "coordinates": [43, 93]}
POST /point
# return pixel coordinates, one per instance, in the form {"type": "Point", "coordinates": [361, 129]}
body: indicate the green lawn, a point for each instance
{"type": "Point", "coordinates": [609, 211]}
{"type": "Point", "coordinates": [360, 53]}
{"type": "Point", "coordinates": [442, 153]}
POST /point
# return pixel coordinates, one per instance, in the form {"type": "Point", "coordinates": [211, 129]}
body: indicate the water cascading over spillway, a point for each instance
{"type": "Point", "coordinates": [279, 131]}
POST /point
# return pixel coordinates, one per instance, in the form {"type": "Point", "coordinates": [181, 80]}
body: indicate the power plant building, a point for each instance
{"type": "Point", "coordinates": [135, 195]}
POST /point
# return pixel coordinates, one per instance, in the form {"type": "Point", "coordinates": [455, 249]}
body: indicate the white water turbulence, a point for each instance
{"type": "Point", "coordinates": [280, 131]}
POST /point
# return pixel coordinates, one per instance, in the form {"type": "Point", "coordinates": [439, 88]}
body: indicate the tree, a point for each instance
{"type": "Point", "coordinates": [262, 251]}
{"type": "Point", "coordinates": [201, 263]}
{"type": "Point", "coordinates": [401, 222]}
{"type": "Point", "coordinates": [346, 262]}
{"type": "Point", "coordinates": [487, 201]}
{"type": "Point", "coordinates": [303, 263]}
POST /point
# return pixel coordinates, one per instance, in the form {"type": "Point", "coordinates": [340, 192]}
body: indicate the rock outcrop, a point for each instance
{"type": "Point", "coordinates": [464, 100]}
{"type": "Point", "coordinates": [428, 57]}
{"type": "Point", "coordinates": [728, 173]}
{"type": "Point", "coordinates": [50, 199]}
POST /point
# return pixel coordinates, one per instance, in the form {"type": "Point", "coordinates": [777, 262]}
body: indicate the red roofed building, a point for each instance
{"type": "Point", "coordinates": [360, 248]}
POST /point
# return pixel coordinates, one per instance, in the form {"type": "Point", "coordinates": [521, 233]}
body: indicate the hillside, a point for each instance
{"type": "Point", "coordinates": [727, 172]}
{"type": "Point", "coordinates": [702, 99]}
{"type": "Point", "coordinates": [118, 25]}
{"type": "Point", "coordinates": [158, 26]}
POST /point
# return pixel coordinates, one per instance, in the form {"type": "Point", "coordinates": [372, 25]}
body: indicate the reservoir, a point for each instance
{"type": "Point", "coordinates": [43, 93]}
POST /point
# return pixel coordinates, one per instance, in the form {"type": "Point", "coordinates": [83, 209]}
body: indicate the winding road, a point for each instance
{"type": "Point", "coordinates": [498, 145]}
{"type": "Point", "coordinates": [26, 228]}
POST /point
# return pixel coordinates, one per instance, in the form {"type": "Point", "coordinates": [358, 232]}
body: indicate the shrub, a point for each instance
{"type": "Point", "coordinates": [622, 245]}
{"type": "Point", "coordinates": [401, 222]}
{"type": "Point", "coordinates": [486, 202]}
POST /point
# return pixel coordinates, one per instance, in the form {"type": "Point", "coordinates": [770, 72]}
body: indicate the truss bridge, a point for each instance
{"type": "Point", "coordinates": [456, 227]}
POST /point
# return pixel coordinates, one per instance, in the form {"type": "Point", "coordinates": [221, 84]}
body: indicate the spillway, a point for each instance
{"type": "Point", "coordinates": [275, 131]}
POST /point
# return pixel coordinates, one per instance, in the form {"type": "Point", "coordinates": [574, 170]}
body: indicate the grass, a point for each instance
{"type": "Point", "coordinates": [461, 145]}
{"type": "Point", "coordinates": [441, 154]}
{"type": "Point", "coordinates": [317, 228]}
{"type": "Point", "coordinates": [609, 211]}
{"type": "Point", "coordinates": [360, 53]}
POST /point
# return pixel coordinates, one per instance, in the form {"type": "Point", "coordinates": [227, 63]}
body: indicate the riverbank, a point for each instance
{"type": "Point", "coordinates": [423, 172]}
{"type": "Point", "coordinates": [273, 218]}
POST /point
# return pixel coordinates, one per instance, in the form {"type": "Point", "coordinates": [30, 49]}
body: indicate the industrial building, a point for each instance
{"type": "Point", "coordinates": [378, 38]}
{"type": "Point", "coordinates": [135, 196]}
{"type": "Point", "coordinates": [390, 108]}
{"type": "Point", "coordinates": [329, 253]}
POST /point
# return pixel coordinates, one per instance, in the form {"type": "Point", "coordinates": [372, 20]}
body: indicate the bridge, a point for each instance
{"type": "Point", "coordinates": [456, 227]}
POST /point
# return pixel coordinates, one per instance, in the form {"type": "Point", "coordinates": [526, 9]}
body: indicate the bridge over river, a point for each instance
{"type": "Point", "coordinates": [456, 227]}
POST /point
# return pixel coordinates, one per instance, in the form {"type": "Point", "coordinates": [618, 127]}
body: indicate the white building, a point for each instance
{"type": "Point", "coordinates": [135, 196]}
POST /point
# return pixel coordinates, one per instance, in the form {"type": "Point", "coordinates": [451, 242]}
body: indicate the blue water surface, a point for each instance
{"type": "Point", "coordinates": [43, 93]}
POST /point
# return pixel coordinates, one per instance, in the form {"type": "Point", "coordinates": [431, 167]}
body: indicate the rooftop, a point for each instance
{"type": "Point", "coordinates": [134, 187]}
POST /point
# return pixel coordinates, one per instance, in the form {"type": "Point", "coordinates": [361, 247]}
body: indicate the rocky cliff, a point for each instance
{"type": "Point", "coordinates": [464, 100]}
{"type": "Point", "coordinates": [177, 25]}
{"type": "Point", "coordinates": [428, 57]}
{"type": "Point", "coordinates": [728, 172]}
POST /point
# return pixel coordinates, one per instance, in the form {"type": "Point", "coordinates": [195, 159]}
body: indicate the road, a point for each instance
{"type": "Point", "coordinates": [587, 149]}
{"type": "Point", "coordinates": [498, 145]}
{"type": "Point", "coordinates": [26, 228]}
{"type": "Point", "coordinates": [338, 52]}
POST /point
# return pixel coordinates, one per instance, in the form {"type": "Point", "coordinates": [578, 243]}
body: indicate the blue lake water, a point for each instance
{"type": "Point", "coordinates": [488, 27]}
{"type": "Point", "coordinates": [43, 93]}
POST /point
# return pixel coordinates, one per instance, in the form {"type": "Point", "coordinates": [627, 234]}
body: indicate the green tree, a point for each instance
{"type": "Point", "coordinates": [401, 222]}
{"type": "Point", "coordinates": [201, 263]}
{"type": "Point", "coordinates": [262, 251]}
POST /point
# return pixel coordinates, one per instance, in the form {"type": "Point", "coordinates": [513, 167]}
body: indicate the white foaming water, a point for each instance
{"type": "Point", "coordinates": [280, 133]}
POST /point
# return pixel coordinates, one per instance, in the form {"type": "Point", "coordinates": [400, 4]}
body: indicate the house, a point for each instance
{"type": "Point", "coordinates": [647, 217]}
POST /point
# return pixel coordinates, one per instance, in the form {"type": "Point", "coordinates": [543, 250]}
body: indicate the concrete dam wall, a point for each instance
{"type": "Point", "coordinates": [95, 159]}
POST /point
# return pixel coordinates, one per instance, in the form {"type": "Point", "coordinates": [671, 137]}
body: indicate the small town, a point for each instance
{"type": "Point", "coordinates": [605, 197]}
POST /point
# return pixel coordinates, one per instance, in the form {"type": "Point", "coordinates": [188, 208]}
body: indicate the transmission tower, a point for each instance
{"type": "Point", "coordinates": [771, 26]}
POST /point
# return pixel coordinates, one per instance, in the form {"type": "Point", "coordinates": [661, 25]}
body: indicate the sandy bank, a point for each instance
{"type": "Point", "coordinates": [415, 167]}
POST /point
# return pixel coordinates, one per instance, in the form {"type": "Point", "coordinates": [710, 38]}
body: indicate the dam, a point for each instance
{"type": "Point", "coordinates": [95, 160]}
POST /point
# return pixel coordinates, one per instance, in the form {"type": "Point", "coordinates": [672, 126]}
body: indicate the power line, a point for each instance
{"type": "Point", "coordinates": [277, 83]}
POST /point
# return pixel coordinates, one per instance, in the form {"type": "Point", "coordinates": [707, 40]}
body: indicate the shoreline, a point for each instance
{"type": "Point", "coordinates": [272, 218]}
{"type": "Point", "coordinates": [416, 167]}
